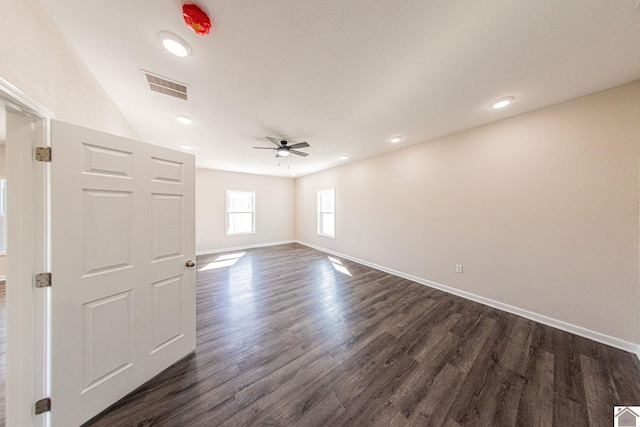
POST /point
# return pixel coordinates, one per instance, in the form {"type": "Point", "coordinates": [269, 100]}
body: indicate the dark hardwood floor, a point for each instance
{"type": "Point", "coordinates": [285, 339]}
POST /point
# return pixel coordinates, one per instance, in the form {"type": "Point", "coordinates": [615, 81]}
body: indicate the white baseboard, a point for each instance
{"type": "Point", "coordinates": [240, 248]}
{"type": "Point", "coordinates": [545, 320]}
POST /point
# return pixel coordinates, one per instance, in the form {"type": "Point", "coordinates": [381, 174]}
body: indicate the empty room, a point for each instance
{"type": "Point", "coordinates": [319, 213]}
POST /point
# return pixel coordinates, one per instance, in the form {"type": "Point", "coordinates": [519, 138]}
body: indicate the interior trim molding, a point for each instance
{"type": "Point", "coordinates": [239, 248]}
{"type": "Point", "coordinates": [16, 95]}
{"type": "Point", "coordinates": [545, 320]}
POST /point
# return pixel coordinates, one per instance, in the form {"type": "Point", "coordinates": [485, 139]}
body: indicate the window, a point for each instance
{"type": "Point", "coordinates": [241, 212]}
{"type": "Point", "coordinates": [327, 212]}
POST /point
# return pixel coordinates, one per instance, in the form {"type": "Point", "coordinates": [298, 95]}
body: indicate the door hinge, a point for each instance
{"type": "Point", "coordinates": [43, 405]}
{"type": "Point", "coordinates": [43, 280]}
{"type": "Point", "coordinates": [43, 154]}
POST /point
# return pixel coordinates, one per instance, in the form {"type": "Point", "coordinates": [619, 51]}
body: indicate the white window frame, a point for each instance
{"type": "Point", "coordinates": [253, 213]}
{"type": "Point", "coordinates": [320, 212]}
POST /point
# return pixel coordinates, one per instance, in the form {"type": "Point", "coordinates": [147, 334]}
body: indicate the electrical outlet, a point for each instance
{"type": "Point", "coordinates": [459, 268]}
{"type": "Point", "coordinates": [350, 244]}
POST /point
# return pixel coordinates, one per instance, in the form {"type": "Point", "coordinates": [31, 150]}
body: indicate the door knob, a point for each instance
{"type": "Point", "coordinates": [190, 264]}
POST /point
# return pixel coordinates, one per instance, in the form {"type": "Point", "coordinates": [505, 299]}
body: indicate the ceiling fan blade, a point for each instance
{"type": "Point", "coordinates": [299, 145]}
{"type": "Point", "coordinates": [299, 153]}
{"type": "Point", "coordinates": [265, 148]}
{"type": "Point", "coordinates": [272, 139]}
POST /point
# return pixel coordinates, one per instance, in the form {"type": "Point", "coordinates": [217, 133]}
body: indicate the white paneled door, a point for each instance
{"type": "Point", "coordinates": [123, 294]}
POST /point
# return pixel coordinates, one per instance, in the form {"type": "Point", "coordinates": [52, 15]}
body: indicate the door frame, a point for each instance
{"type": "Point", "coordinates": [27, 357]}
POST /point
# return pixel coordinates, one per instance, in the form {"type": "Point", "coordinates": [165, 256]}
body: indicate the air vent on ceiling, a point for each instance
{"type": "Point", "coordinates": [166, 86]}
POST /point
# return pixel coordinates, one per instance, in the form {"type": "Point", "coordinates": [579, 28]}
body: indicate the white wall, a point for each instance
{"type": "Point", "coordinates": [36, 58]}
{"type": "Point", "coordinates": [275, 209]}
{"type": "Point", "coordinates": [540, 209]}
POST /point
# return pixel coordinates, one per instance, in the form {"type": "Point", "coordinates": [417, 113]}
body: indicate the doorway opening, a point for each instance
{"type": "Point", "coordinates": [23, 214]}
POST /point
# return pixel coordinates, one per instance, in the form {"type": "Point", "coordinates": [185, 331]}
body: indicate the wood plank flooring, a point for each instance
{"type": "Point", "coordinates": [285, 339]}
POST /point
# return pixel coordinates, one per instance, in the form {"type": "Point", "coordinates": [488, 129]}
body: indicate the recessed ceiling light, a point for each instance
{"type": "Point", "coordinates": [395, 139]}
{"type": "Point", "coordinates": [345, 157]}
{"type": "Point", "coordinates": [184, 119]}
{"type": "Point", "coordinates": [501, 103]}
{"type": "Point", "coordinates": [185, 146]}
{"type": "Point", "coordinates": [174, 44]}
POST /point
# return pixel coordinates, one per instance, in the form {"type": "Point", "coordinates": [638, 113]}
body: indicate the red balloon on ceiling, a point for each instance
{"type": "Point", "coordinates": [196, 19]}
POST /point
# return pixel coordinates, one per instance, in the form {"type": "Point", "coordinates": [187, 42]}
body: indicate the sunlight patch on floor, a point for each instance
{"type": "Point", "coordinates": [337, 265]}
{"type": "Point", "coordinates": [223, 261]}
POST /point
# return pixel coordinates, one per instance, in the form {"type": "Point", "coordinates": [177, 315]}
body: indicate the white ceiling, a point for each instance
{"type": "Point", "coordinates": [345, 76]}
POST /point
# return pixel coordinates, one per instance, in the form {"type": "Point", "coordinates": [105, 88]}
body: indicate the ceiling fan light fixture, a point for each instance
{"type": "Point", "coordinates": [174, 44]}
{"type": "Point", "coordinates": [283, 152]}
{"type": "Point", "coordinates": [502, 102]}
